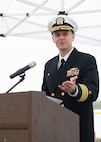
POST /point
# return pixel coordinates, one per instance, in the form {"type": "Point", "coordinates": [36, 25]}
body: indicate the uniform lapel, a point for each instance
{"type": "Point", "coordinates": [57, 78]}
{"type": "Point", "coordinates": [69, 64]}
{"type": "Point", "coordinates": [53, 71]}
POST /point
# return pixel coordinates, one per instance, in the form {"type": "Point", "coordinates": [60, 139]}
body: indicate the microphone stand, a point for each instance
{"type": "Point", "coordinates": [22, 77]}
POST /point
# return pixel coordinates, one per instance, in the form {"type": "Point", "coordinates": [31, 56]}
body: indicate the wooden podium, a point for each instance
{"type": "Point", "coordinates": [32, 117]}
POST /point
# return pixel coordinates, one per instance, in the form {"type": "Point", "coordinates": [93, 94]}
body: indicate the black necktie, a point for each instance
{"type": "Point", "coordinates": [62, 64]}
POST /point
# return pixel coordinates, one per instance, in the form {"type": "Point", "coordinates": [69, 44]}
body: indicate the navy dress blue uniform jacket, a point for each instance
{"type": "Point", "coordinates": [88, 88]}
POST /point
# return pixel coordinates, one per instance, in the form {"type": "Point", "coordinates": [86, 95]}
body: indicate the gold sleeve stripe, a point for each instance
{"type": "Point", "coordinates": [85, 93]}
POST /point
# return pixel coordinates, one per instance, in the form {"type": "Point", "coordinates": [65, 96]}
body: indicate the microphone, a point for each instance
{"type": "Point", "coordinates": [22, 70]}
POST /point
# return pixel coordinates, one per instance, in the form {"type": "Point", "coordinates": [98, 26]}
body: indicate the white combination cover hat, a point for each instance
{"type": "Point", "coordinates": [62, 22]}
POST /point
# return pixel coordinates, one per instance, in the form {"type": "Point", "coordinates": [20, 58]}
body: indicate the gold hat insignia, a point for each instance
{"type": "Point", "coordinates": [60, 21]}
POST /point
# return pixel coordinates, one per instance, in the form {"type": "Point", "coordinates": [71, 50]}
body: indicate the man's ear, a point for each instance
{"type": "Point", "coordinates": [73, 36]}
{"type": "Point", "coordinates": [53, 38]}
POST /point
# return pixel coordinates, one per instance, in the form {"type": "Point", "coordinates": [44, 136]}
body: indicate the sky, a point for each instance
{"type": "Point", "coordinates": [16, 53]}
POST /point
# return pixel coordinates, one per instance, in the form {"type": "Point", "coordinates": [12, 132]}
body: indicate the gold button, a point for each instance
{"type": "Point", "coordinates": [90, 92]}
{"type": "Point", "coordinates": [62, 105]}
{"type": "Point", "coordinates": [52, 94]}
{"type": "Point", "coordinates": [62, 94]}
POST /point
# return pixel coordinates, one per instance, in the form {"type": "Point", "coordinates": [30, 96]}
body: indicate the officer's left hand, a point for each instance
{"type": "Point", "coordinates": [69, 86]}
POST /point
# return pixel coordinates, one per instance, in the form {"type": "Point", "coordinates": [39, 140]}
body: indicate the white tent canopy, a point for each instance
{"type": "Point", "coordinates": [28, 18]}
